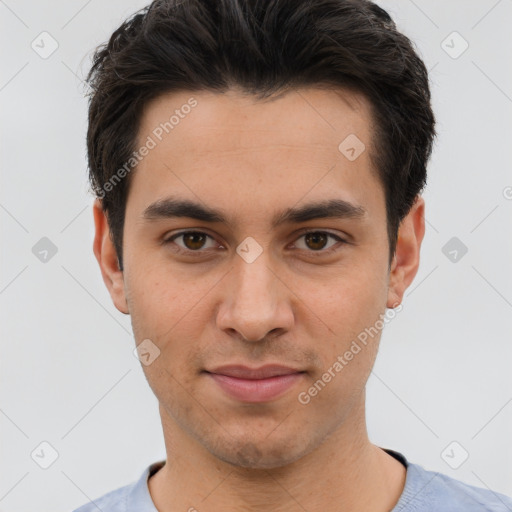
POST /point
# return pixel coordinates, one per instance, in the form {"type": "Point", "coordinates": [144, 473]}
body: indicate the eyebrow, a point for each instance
{"type": "Point", "coordinates": [328, 209]}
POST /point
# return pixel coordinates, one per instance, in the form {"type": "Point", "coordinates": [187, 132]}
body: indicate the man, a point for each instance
{"type": "Point", "coordinates": [258, 167]}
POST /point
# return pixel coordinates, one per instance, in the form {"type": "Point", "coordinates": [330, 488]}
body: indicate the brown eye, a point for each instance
{"type": "Point", "coordinates": [316, 241]}
{"type": "Point", "coordinates": [192, 241]}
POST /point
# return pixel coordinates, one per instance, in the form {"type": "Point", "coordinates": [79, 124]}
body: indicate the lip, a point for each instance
{"type": "Point", "coordinates": [244, 372]}
{"type": "Point", "coordinates": [255, 385]}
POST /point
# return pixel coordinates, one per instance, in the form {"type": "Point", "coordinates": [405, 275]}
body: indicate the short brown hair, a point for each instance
{"type": "Point", "coordinates": [262, 47]}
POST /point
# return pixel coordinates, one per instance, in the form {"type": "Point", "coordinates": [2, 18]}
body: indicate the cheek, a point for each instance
{"type": "Point", "coordinates": [172, 311]}
{"type": "Point", "coordinates": [163, 300]}
{"type": "Point", "coordinates": [350, 302]}
{"type": "Point", "coordinates": [352, 307]}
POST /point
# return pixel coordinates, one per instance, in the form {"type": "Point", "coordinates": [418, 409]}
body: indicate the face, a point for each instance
{"type": "Point", "coordinates": [252, 286]}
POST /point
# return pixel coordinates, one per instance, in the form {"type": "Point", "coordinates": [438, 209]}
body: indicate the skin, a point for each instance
{"type": "Point", "coordinates": [253, 158]}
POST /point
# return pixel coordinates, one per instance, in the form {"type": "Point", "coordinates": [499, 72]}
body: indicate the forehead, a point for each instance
{"type": "Point", "coordinates": [233, 147]}
{"type": "Point", "coordinates": [309, 111]}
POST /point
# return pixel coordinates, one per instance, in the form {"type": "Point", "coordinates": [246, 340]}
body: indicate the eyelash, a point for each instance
{"type": "Point", "coordinates": [320, 252]}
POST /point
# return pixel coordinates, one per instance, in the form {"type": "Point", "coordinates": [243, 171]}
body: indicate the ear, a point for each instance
{"type": "Point", "coordinates": [106, 255]}
{"type": "Point", "coordinates": [407, 254]}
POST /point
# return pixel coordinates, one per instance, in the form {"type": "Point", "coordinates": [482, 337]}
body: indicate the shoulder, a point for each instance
{"type": "Point", "coordinates": [133, 497]}
{"type": "Point", "coordinates": [429, 490]}
{"type": "Point", "coordinates": [113, 501]}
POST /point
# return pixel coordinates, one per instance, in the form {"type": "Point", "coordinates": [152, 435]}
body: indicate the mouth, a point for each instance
{"type": "Point", "coordinates": [255, 385]}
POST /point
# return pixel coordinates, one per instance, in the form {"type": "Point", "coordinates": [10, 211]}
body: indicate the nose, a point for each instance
{"type": "Point", "coordinates": [258, 302]}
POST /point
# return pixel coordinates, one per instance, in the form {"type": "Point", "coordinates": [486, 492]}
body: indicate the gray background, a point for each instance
{"type": "Point", "coordinates": [68, 374]}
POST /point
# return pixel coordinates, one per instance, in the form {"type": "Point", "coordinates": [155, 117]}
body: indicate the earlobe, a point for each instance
{"type": "Point", "coordinates": [406, 260]}
{"type": "Point", "coordinates": [106, 255]}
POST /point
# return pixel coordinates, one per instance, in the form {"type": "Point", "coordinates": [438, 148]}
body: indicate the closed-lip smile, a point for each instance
{"type": "Point", "coordinates": [256, 385]}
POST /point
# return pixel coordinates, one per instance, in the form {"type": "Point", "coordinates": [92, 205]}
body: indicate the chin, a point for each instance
{"type": "Point", "coordinates": [263, 454]}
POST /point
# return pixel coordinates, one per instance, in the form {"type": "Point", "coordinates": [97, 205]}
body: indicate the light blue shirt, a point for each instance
{"type": "Point", "coordinates": [424, 491]}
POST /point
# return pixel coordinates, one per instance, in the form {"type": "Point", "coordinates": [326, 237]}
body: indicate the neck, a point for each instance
{"type": "Point", "coordinates": [345, 473]}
